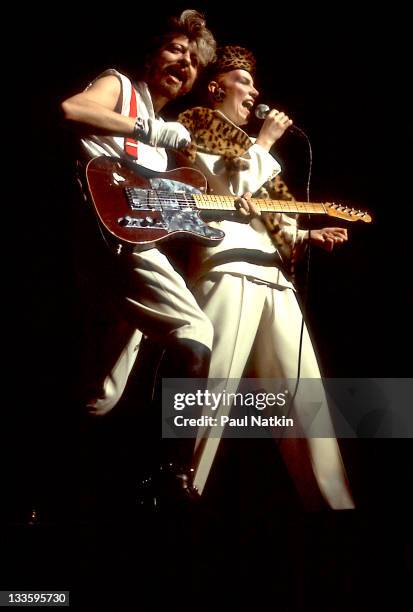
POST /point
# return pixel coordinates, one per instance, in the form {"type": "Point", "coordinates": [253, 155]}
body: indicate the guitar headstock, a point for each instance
{"type": "Point", "coordinates": [345, 212]}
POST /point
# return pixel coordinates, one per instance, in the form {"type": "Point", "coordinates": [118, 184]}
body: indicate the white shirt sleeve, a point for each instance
{"type": "Point", "coordinates": [262, 166]}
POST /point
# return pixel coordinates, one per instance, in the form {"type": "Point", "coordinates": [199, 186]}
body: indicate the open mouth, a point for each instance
{"type": "Point", "coordinates": [175, 75]}
{"type": "Point", "coordinates": [248, 104]}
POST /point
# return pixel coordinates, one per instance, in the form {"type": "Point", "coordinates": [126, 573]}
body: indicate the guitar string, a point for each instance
{"type": "Point", "coordinates": [183, 199]}
{"type": "Point", "coordinates": [304, 206]}
{"type": "Point", "coordinates": [156, 203]}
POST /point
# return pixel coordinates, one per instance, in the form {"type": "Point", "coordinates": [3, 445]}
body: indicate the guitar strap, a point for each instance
{"type": "Point", "coordinates": [131, 145]}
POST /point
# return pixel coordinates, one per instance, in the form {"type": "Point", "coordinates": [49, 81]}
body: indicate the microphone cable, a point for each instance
{"type": "Point", "coordinates": [302, 134]}
{"type": "Point", "coordinates": [261, 112]}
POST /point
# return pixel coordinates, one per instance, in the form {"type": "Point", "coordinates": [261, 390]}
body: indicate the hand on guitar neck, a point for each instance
{"type": "Point", "coordinates": [140, 206]}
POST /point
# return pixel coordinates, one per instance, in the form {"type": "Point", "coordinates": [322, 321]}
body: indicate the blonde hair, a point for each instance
{"type": "Point", "coordinates": [191, 24]}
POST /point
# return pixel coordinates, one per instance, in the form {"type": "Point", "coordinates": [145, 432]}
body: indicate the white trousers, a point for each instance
{"type": "Point", "coordinates": [259, 324]}
{"type": "Point", "coordinates": [157, 303]}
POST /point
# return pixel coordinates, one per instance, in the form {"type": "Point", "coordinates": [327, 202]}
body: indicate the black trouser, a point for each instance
{"type": "Point", "coordinates": [183, 359]}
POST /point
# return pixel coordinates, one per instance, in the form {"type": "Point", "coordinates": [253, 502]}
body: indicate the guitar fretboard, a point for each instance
{"type": "Point", "coordinates": [216, 202]}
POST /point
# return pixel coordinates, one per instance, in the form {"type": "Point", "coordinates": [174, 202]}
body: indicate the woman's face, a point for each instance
{"type": "Point", "coordinates": [240, 95]}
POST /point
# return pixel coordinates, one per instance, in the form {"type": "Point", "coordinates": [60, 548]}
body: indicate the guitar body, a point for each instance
{"type": "Point", "coordinates": [139, 206]}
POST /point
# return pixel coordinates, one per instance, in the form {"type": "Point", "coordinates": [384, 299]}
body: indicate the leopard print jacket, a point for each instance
{"type": "Point", "coordinates": [212, 133]}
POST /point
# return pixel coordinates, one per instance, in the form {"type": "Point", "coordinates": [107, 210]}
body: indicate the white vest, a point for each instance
{"type": "Point", "coordinates": [151, 157]}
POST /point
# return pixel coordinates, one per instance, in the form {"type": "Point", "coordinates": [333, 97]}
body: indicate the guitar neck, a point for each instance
{"type": "Point", "coordinates": [216, 202]}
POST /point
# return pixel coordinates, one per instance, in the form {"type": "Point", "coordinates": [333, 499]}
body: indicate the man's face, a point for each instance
{"type": "Point", "coordinates": [174, 68]}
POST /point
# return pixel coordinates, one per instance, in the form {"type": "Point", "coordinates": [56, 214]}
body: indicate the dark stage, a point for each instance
{"type": "Point", "coordinates": [70, 520]}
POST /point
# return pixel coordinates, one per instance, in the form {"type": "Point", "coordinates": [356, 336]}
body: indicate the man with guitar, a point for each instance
{"type": "Point", "coordinates": [120, 117]}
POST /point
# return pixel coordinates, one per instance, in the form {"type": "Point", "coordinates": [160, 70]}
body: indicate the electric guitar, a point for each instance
{"type": "Point", "coordinates": [139, 206]}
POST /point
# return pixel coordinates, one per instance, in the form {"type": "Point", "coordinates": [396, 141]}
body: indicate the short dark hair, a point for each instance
{"type": "Point", "coordinates": [191, 24]}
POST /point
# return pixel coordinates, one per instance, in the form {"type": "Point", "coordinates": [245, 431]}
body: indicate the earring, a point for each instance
{"type": "Point", "coordinates": [219, 94]}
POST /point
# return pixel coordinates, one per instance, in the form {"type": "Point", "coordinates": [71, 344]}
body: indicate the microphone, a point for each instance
{"type": "Point", "coordinates": [262, 110]}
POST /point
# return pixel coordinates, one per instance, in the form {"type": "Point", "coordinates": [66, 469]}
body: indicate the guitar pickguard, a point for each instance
{"type": "Point", "coordinates": [141, 206]}
{"type": "Point", "coordinates": [169, 213]}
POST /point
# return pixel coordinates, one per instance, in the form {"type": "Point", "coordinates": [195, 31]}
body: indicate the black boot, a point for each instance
{"type": "Point", "coordinates": [186, 359]}
{"type": "Point", "coordinates": [171, 481]}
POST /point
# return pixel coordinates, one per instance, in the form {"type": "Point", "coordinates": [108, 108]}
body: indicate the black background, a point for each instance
{"type": "Point", "coordinates": [343, 77]}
